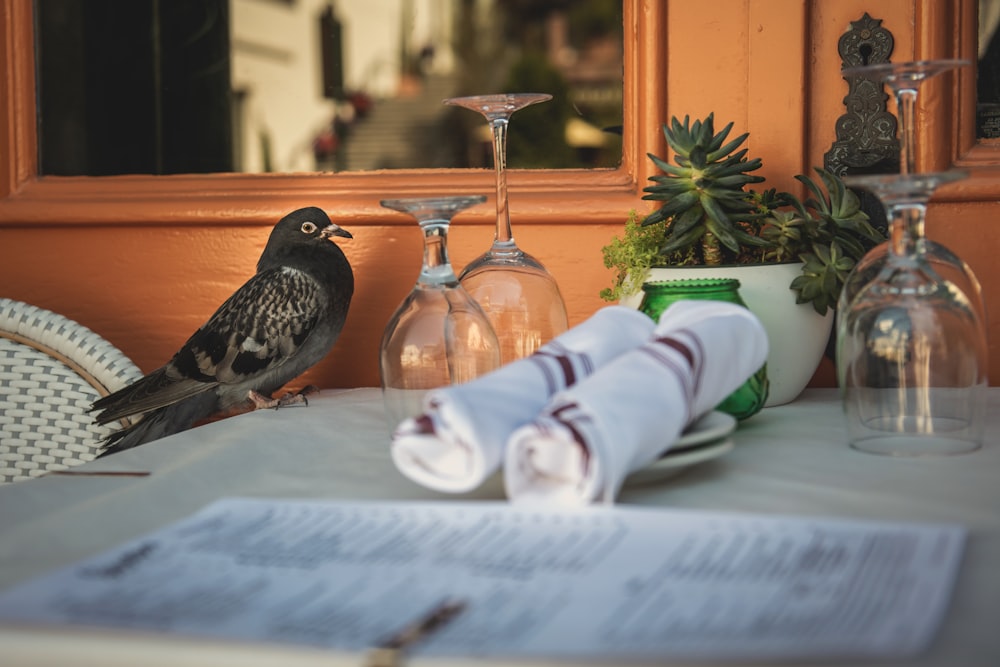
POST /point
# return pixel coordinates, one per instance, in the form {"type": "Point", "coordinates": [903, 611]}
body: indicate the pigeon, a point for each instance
{"type": "Point", "coordinates": [281, 322]}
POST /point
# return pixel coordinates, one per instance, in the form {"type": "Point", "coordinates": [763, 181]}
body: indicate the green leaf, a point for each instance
{"type": "Point", "coordinates": [682, 241]}
{"type": "Point", "coordinates": [705, 130]}
{"type": "Point", "coordinates": [698, 157]}
{"type": "Point", "coordinates": [712, 146]}
{"type": "Point", "coordinates": [687, 220]}
{"type": "Point", "coordinates": [811, 186]}
{"type": "Point", "coordinates": [654, 218]}
{"type": "Point", "coordinates": [681, 203]}
{"type": "Point", "coordinates": [730, 147]}
{"type": "Point", "coordinates": [660, 164]}
{"type": "Point", "coordinates": [719, 224]}
{"type": "Point", "coordinates": [665, 191]}
{"type": "Point", "coordinates": [749, 239]}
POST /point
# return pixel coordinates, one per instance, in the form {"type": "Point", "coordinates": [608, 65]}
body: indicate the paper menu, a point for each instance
{"type": "Point", "coordinates": [612, 583]}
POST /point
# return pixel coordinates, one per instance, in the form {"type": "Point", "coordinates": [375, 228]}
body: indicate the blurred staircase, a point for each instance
{"type": "Point", "coordinates": [404, 132]}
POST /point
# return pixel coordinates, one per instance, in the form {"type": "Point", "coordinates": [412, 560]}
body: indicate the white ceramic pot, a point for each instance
{"type": "Point", "coordinates": [797, 334]}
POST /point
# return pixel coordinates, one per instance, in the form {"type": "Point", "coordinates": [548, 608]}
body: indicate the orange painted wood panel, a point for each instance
{"type": "Point", "coordinates": [708, 61]}
{"type": "Point", "coordinates": [147, 289]}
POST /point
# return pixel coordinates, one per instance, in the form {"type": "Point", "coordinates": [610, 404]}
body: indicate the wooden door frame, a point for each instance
{"type": "Point", "coordinates": [558, 196]}
{"type": "Point", "coordinates": [947, 29]}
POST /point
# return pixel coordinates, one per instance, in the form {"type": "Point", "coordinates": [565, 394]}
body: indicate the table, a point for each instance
{"type": "Point", "coordinates": [791, 459]}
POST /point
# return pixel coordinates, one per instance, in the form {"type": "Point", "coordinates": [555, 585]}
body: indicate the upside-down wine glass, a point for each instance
{"type": "Point", "coordinates": [438, 335]}
{"type": "Point", "coordinates": [911, 348]}
{"type": "Point", "coordinates": [904, 80]}
{"type": "Point", "coordinates": [518, 294]}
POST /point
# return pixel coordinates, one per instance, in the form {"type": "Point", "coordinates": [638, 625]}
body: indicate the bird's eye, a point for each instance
{"type": "Point", "coordinates": [308, 227]}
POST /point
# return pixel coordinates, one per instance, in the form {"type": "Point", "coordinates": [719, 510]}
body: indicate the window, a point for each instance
{"type": "Point", "coordinates": [574, 194]}
{"type": "Point", "coordinates": [208, 86]}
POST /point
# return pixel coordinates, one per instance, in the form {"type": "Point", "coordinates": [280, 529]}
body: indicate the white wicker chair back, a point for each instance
{"type": "Point", "coordinates": [51, 370]}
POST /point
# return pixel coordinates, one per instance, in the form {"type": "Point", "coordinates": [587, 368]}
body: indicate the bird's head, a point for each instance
{"type": "Point", "coordinates": [304, 227]}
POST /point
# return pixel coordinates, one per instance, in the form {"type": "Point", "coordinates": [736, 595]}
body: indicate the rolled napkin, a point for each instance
{"type": "Point", "coordinates": [591, 436]}
{"type": "Point", "coordinates": [458, 441]}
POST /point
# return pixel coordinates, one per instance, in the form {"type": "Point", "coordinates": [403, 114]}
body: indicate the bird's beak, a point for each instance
{"type": "Point", "coordinates": [334, 230]}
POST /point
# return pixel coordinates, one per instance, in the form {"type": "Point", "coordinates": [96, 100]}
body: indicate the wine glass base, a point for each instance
{"type": "Point", "coordinates": [912, 436]}
{"type": "Point", "coordinates": [914, 71]}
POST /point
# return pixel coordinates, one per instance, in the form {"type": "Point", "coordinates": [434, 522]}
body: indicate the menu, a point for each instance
{"type": "Point", "coordinates": [611, 583]}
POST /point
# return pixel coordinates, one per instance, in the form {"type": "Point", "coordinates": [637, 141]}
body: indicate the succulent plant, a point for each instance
{"type": "Point", "coordinates": [704, 193]}
{"type": "Point", "coordinates": [710, 217]}
{"type": "Point", "coordinates": [836, 234]}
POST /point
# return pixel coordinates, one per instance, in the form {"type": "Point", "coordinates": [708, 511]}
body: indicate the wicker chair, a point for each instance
{"type": "Point", "coordinates": [51, 370]}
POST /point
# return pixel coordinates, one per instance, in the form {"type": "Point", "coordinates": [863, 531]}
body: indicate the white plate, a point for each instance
{"type": "Point", "coordinates": [672, 462]}
{"type": "Point", "coordinates": [711, 427]}
{"type": "Point", "coordinates": [702, 441]}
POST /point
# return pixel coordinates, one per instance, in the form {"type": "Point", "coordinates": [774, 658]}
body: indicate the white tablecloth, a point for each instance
{"type": "Point", "coordinates": [791, 459]}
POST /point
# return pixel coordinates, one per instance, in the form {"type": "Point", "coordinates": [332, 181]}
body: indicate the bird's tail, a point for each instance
{"type": "Point", "coordinates": [160, 423]}
{"type": "Point", "coordinates": [149, 427]}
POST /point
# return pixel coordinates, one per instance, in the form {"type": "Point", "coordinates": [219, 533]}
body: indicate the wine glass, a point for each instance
{"type": "Point", "coordinates": [518, 294]}
{"type": "Point", "coordinates": [438, 335]}
{"type": "Point", "coordinates": [905, 79]}
{"type": "Point", "coordinates": [911, 350]}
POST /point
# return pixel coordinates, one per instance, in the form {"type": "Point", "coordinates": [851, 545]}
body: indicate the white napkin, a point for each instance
{"type": "Point", "coordinates": [592, 435]}
{"type": "Point", "coordinates": [458, 441]}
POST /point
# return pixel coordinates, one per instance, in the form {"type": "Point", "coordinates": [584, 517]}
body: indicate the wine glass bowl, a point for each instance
{"type": "Point", "coordinates": [520, 298]}
{"type": "Point", "coordinates": [439, 335]}
{"type": "Point", "coordinates": [941, 259]}
{"type": "Point", "coordinates": [515, 290]}
{"type": "Point", "coordinates": [911, 344]}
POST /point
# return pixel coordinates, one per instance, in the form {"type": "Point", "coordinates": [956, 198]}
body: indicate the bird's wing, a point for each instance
{"type": "Point", "coordinates": [257, 330]}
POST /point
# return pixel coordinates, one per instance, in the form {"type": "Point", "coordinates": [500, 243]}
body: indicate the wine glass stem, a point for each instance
{"type": "Point", "coordinates": [504, 238]}
{"type": "Point", "coordinates": [437, 269]}
{"type": "Point", "coordinates": [906, 104]}
{"type": "Point", "coordinates": [906, 233]}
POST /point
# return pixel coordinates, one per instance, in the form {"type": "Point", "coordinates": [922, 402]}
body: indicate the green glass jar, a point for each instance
{"type": "Point", "coordinates": [659, 295]}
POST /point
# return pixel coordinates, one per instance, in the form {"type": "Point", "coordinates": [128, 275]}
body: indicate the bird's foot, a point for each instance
{"type": "Point", "coordinates": [261, 402]}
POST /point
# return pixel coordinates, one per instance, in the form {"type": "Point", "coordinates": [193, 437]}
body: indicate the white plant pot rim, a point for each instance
{"type": "Point", "coordinates": [797, 334]}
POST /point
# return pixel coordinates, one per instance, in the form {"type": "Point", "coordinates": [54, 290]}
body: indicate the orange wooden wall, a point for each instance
{"type": "Point", "coordinates": [147, 289]}
{"type": "Point", "coordinates": [146, 282]}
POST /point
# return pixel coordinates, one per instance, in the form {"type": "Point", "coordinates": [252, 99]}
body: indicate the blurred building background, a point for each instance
{"type": "Point", "coordinates": [195, 86]}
